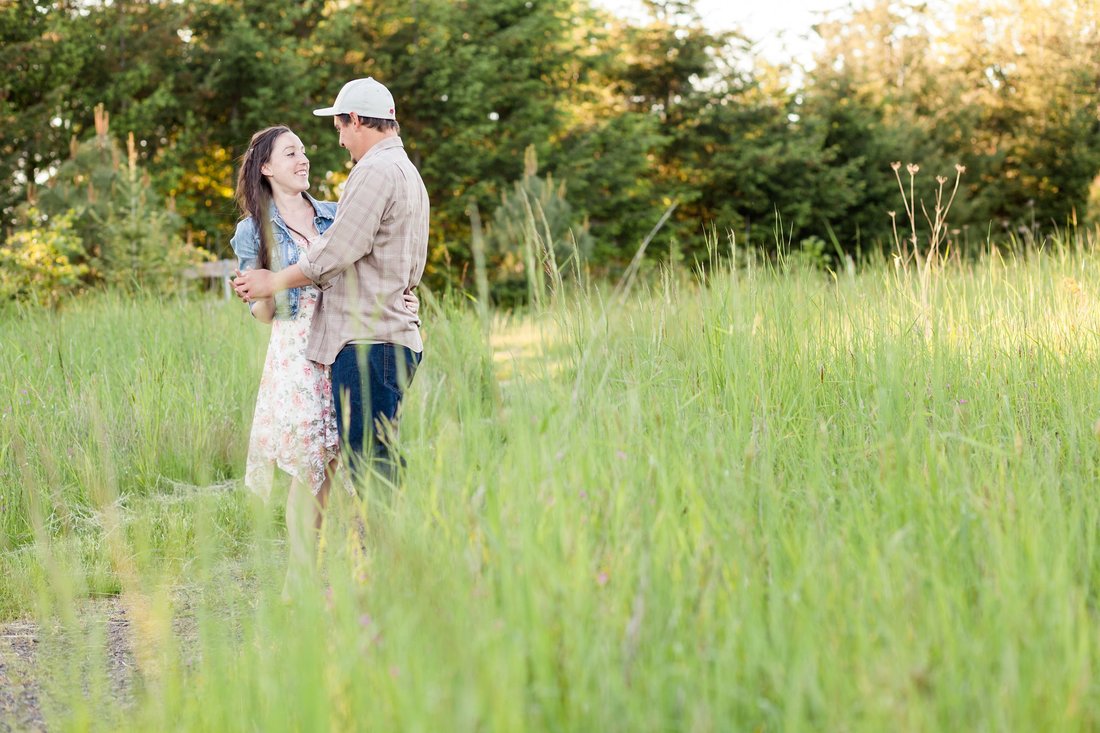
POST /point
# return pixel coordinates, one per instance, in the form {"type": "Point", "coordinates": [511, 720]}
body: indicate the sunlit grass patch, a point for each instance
{"type": "Point", "coordinates": [524, 347]}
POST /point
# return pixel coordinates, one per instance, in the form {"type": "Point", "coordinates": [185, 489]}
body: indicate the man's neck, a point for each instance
{"type": "Point", "coordinates": [379, 137]}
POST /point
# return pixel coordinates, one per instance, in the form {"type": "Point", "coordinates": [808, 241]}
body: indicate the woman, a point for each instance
{"type": "Point", "coordinates": [294, 426]}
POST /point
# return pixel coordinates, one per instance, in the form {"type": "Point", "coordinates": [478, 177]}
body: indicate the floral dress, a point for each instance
{"type": "Point", "coordinates": [294, 426]}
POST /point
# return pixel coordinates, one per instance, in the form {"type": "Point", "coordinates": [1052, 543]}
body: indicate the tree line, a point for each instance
{"type": "Point", "coordinates": [605, 123]}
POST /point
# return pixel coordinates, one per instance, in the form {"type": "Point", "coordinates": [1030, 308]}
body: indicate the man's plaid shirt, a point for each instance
{"type": "Point", "coordinates": [372, 255]}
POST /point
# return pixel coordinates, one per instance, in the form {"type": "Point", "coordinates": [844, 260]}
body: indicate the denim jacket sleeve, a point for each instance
{"type": "Point", "coordinates": [246, 245]}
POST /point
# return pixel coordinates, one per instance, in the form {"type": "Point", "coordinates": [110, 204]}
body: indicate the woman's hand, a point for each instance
{"type": "Point", "coordinates": [412, 303]}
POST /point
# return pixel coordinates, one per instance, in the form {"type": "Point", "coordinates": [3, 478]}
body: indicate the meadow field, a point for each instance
{"type": "Point", "coordinates": [767, 498]}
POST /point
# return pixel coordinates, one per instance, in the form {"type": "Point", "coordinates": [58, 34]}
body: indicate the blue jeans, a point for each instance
{"type": "Point", "coordinates": [368, 384]}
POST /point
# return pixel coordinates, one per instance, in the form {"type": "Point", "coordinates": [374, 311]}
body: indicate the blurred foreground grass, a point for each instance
{"type": "Point", "coordinates": [759, 500]}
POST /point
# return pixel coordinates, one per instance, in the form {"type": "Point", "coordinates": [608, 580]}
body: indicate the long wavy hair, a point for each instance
{"type": "Point", "coordinates": [254, 190]}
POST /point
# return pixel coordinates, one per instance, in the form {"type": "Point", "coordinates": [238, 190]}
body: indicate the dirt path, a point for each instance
{"type": "Point", "coordinates": [20, 707]}
{"type": "Point", "coordinates": [22, 669]}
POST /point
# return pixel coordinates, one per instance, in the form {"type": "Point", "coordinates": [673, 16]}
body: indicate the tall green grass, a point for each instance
{"type": "Point", "coordinates": [117, 401]}
{"type": "Point", "coordinates": [755, 500]}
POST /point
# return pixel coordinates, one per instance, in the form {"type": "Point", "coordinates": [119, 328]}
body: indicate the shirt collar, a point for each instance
{"type": "Point", "coordinates": [273, 211]}
{"type": "Point", "coordinates": [382, 145]}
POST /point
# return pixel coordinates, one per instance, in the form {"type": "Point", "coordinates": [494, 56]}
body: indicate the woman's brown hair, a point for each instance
{"type": "Point", "coordinates": [254, 190]}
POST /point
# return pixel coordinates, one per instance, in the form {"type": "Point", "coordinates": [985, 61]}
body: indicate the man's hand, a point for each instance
{"type": "Point", "coordinates": [254, 285]}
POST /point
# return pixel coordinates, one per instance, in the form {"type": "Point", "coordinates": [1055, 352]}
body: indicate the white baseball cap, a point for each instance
{"type": "Point", "coordinates": [364, 97]}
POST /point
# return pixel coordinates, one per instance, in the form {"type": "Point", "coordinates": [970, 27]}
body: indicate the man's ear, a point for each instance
{"type": "Point", "coordinates": [355, 119]}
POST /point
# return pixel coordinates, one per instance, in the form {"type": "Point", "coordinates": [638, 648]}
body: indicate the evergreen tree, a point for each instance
{"type": "Point", "coordinates": [130, 235]}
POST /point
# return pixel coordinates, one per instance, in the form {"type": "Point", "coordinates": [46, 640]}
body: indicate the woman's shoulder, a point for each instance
{"type": "Point", "coordinates": [247, 225]}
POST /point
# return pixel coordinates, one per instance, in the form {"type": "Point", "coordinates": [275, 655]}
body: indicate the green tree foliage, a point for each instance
{"type": "Point", "coordinates": [1003, 87]}
{"type": "Point", "coordinates": [509, 64]}
{"type": "Point", "coordinates": [630, 115]}
{"type": "Point", "coordinates": [61, 59]}
{"type": "Point", "coordinates": [35, 80]}
{"type": "Point", "coordinates": [670, 70]}
{"type": "Point", "coordinates": [1031, 74]}
{"type": "Point", "coordinates": [609, 162]}
{"type": "Point", "coordinates": [130, 236]}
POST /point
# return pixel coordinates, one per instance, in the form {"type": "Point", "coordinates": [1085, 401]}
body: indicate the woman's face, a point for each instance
{"type": "Point", "coordinates": [288, 166]}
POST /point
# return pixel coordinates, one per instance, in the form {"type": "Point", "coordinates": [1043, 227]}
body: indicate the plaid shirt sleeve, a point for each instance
{"type": "Point", "coordinates": [359, 214]}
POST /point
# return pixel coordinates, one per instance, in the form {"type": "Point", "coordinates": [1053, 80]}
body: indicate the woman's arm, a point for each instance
{"type": "Point", "coordinates": [246, 245]}
{"type": "Point", "coordinates": [263, 310]}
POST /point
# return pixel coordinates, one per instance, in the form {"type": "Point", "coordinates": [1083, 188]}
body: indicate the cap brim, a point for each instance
{"type": "Point", "coordinates": [326, 112]}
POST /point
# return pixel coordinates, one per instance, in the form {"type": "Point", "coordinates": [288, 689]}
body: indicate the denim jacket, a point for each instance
{"type": "Point", "coordinates": [246, 245]}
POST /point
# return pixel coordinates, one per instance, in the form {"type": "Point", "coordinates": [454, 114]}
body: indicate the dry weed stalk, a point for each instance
{"type": "Point", "coordinates": [932, 258]}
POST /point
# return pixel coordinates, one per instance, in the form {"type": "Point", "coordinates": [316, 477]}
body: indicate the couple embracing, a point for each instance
{"type": "Point", "coordinates": [337, 283]}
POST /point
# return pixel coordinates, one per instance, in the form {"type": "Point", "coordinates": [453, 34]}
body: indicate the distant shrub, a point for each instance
{"type": "Point", "coordinates": [36, 262]}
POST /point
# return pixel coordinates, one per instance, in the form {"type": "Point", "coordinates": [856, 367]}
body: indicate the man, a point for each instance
{"type": "Point", "coordinates": [366, 264]}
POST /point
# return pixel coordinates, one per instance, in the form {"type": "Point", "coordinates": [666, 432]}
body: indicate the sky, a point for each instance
{"type": "Point", "coordinates": [781, 27]}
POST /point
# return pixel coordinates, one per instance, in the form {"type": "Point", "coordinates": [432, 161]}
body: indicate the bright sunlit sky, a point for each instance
{"type": "Point", "coordinates": [780, 27]}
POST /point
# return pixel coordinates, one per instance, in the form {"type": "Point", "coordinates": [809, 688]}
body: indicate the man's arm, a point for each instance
{"type": "Point", "coordinates": [257, 284]}
{"type": "Point", "coordinates": [368, 193]}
